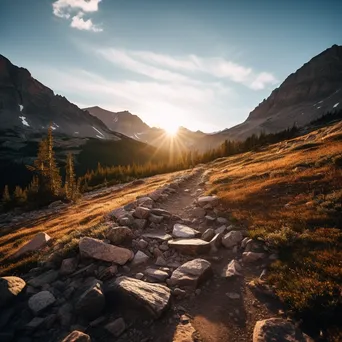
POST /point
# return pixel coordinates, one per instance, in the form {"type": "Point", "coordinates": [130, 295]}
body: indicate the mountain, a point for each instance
{"type": "Point", "coordinates": [310, 92]}
{"type": "Point", "coordinates": [132, 126]}
{"type": "Point", "coordinates": [27, 108]}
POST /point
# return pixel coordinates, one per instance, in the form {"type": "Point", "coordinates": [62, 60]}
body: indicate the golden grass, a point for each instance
{"type": "Point", "coordinates": [84, 216]}
{"type": "Point", "coordinates": [290, 194]}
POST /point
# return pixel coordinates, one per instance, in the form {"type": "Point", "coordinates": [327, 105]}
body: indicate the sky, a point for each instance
{"type": "Point", "coordinates": [203, 64]}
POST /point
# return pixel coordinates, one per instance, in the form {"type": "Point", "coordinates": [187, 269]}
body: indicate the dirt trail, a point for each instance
{"type": "Point", "coordinates": [215, 316]}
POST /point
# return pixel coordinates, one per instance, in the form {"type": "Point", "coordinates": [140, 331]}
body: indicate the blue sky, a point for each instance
{"type": "Point", "coordinates": [204, 64]}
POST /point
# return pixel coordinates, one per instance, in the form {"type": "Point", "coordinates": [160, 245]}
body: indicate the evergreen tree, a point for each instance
{"type": "Point", "coordinates": [6, 198]}
{"type": "Point", "coordinates": [19, 196]}
{"type": "Point", "coordinates": [70, 179]}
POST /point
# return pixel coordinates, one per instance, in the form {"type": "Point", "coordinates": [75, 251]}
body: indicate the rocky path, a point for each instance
{"type": "Point", "coordinates": [171, 267]}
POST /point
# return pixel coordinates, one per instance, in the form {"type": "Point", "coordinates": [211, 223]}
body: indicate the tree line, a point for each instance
{"type": "Point", "coordinates": [47, 185]}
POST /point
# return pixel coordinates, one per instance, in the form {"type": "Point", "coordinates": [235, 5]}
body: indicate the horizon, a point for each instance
{"type": "Point", "coordinates": [202, 66]}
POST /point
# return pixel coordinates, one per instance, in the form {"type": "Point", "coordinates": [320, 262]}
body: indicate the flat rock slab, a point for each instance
{"type": "Point", "coordinates": [77, 336]}
{"type": "Point", "coordinates": [277, 329]}
{"type": "Point", "coordinates": [190, 246]}
{"type": "Point", "coordinates": [40, 301]}
{"type": "Point", "coordinates": [10, 287]}
{"type": "Point", "coordinates": [155, 298]}
{"type": "Point", "coordinates": [97, 249]}
{"type": "Point", "coordinates": [191, 274]}
{"type": "Point", "coordinates": [156, 275]}
{"type": "Point", "coordinates": [157, 236]}
{"type": "Point", "coordinates": [184, 232]}
{"type": "Point", "coordinates": [38, 242]}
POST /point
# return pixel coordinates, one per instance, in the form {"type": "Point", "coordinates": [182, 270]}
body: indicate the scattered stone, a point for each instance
{"type": "Point", "coordinates": [77, 336]}
{"type": "Point", "coordinates": [198, 212]}
{"type": "Point", "coordinates": [161, 212]}
{"type": "Point", "coordinates": [10, 287]}
{"type": "Point", "coordinates": [65, 314]}
{"type": "Point", "coordinates": [222, 220]}
{"type": "Point", "coordinates": [211, 200]}
{"type": "Point", "coordinates": [142, 244]}
{"type": "Point", "coordinates": [155, 298]}
{"type": "Point", "coordinates": [120, 235]}
{"type": "Point", "coordinates": [232, 295]}
{"type": "Point", "coordinates": [139, 258]}
{"type": "Point", "coordinates": [156, 275]}
{"type": "Point", "coordinates": [183, 231]}
{"type": "Point", "coordinates": [157, 236]}
{"type": "Point", "coordinates": [190, 246]}
{"type": "Point", "coordinates": [210, 219]}
{"type": "Point", "coordinates": [244, 242]}
{"type": "Point", "coordinates": [41, 301]}
{"type": "Point", "coordinates": [164, 248]}
{"type": "Point", "coordinates": [43, 279]}
{"type": "Point", "coordinates": [118, 213]}
{"type": "Point", "coordinates": [108, 272]}
{"type": "Point", "coordinates": [232, 238]}
{"type": "Point", "coordinates": [97, 321]}
{"type": "Point", "coordinates": [117, 327]}
{"type": "Point", "coordinates": [179, 292]}
{"type": "Point", "coordinates": [252, 256]}
{"type": "Point", "coordinates": [155, 218]}
{"type": "Point", "coordinates": [215, 243]}
{"type": "Point", "coordinates": [263, 275]}
{"type": "Point", "coordinates": [191, 274]}
{"type": "Point", "coordinates": [232, 269]}
{"type": "Point", "coordinates": [139, 276]}
{"type": "Point", "coordinates": [91, 302]}
{"type": "Point", "coordinates": [208, 234]}
{"type": "Point", "coordinates": [145, 202]}
{"type": "Point", "coordinates": [128, 220]}
{"type": "Point", "coordinates": [34, 323]}
{"type": "Point", "coordinates": [140, 223]}
{"type": "Point", "coordinates": [141, 212]}
{"type": "Point", "coordinates": [130, 206]}
{"type": "Point", "coordinates": [221, 229]}
{"type": "Point", "coordinates": [277, 329]}
{"type": "Point", "coordinates": [160, 261]}
{"type": "Point", "coordinates": [55, 204]}
{"type": "Point", "coordinates": [38, 242]}
{"type": "Point", "coordinates": [68, 266]}
{"type": "Point", "coordinates": [93, 248]}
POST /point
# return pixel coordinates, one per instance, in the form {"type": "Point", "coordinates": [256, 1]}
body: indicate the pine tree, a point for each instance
{"type": "Point", "coordinates": [70, 179]}
{"type": "Point", "coordinates": [19, 196]}
{"type": "Point", "coordinates": [6, 198]}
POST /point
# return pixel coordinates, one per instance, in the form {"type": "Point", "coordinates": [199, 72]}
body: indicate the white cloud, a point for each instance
{"type": "Point", "coordinates": [66, 8]}
{"type": "Point", "coordinates": [79, 23]}
{"type": "Point", "coordinates": [157, 66]}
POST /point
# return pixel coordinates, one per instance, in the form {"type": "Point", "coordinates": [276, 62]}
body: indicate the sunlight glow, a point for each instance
{"type": "Point", "coordinates": [171, 128]}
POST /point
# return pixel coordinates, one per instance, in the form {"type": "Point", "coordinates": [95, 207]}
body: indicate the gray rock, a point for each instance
{"type": "Point", "coordinates": [140, 223]}
{"type": "Point", "coordinates": [108, 272]}
{"type": "Point", "coordinates": [190, 246]}
{"type": "Point", "coordinates": [127, 220]}
{"type": "Point", "coordinates": [222, 220]}
{"type": "Point", "coordinates": [43, 279]}
{"type": "Point", "coordinates": [160, 261]}
{"type": "Point", "coordinates": [35, 323]}
{"type": "Point", "coordinates": [184, 232]}
{"type": "Point", "coordinates": [232, 238]}
{"type": "Point", "coordinates": [139, 258]}
{"type": "Point", "coordinates": [161, 212]}
{"type": "Point", "coordinates": [142, 244]}
{"type": "Point", "coordinates": [244, 242]}
{"type": "Point", "coordinates": [77, 336]}
{"type": "Point", "coordinates": [191, 274]}
{"type": "Point", "coordinates": [221, 229]}
{"type": "Point", "coordinates": [99, 250]}
{"type": "Point", "coordinates": [211, 200]}
{"type": "Point", "coordinates": [117, 213]}
{"type": "Point", "coordinates": [139, 276]}
{"type": "Point", "coordinates": [155, 298]}
{"type": "Point", "coordinates": [68, 266]}
{"type": "Point", "coordinates": [117, 327]}
{"type": "Point", "coordinates": [232, 269]}
{"type": "Point", "coordinates": [41, 301]}
{"type": "Point", "coordinates": [10, 288]}
{"type": "Point", "coordinates": [156, 275]}
{"type": "Point", "coordinates": [155, 218]}
{"type": "Point", "coordinates": [277, 329]}
{"type": "Point", "coordinates": [145, 202]}
{"type": "Point", "coordinates": [120, 235]}
{"type": "Point", "coordinates": [38, 242]}
{"type": "Point", "coordinates": [157, 236]}
{"type": "Point", "coordinates": [208, 234]}
{"type": "Point", "coordinates": [210, 219]}
{"type": "Point", "coordinates": [141, 212]}
{"type": "Point", "coordinates": [198, 212]}
{"type": "Point", "coordinates": [252, 256]}
{"type": "Point", "coordinates": [91, 302]}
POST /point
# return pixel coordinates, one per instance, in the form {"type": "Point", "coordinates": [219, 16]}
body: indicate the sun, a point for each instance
{"type": "Point", "coordinates": [171, 128]}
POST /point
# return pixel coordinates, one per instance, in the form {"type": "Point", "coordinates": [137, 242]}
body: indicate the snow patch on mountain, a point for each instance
{"type": "Point", "coordinates": [21, 107]}
{"type": "Point", "coordinates": [23, 121]}
{"type": "Point", "coordinates": [336, 104]}
{"type": "Point", "coordinates": [98, 131]}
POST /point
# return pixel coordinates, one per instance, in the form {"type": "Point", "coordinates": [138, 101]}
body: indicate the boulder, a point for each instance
{"type": "Point", "coordinates": [157, 236]}
{"type": "Point", "coordinates": [205, 200]}
{"type": "Point", "coordinates": [120, 235]}
{"type": "Point", "coordinates": [156, 275]}
{"type": "Point", "coordinates": [252, 256]}
{"type": "Point", "coordinates": [41, 301]}
{"type": "Point", "coordinates": [232, 238]}
{"type": "Point", "coordinates": [191, 274]}
{"type": "Point", "coordinates": [141, 212]}
{"type": "Point", "coordinates": [38, 242]}
{"type": "Point", "coordinates": [208, 234]}
{"type": "Point", "coordinates": [277, 329]}
{"type": "Point", "coordinates": [155, 298]}
{"type": "Point", "coordinates": [77, 336]}
{"type": "Point", "coordinates": [232, 269]}
{"type": "Point", "coordinates": [44, 278]}
{"type": "Point", "coordinates": [10, 287]}
{"type": "Point", "coordinates": [139, 258]}
{"type": "Point", "coordinates": [91, 302]}
{"type": "Point", "coordinates": [190, 246]}
{"type": "Point", "coordinates": [97, 249]}
{"type": "Point", "coordinates": [184, 232]}
{"type": "Point", "coordinates": [68, 266]}
{"type": "Point", "coordinates": [117, 327]}
{"type": "Point", "coordinates": [155, 218]}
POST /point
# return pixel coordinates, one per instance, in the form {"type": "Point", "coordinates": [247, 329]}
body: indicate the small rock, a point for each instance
{"type": "Point", "coordinates": [35, 323]}
{"type": "Point", "coordinates": [211, 200]}
{"type": "Point", "coordinates": [232, 269]}
{"type": "Point", "coordinates": [157, 236]}
{"type": "Point", "coordinates": [222, 220]}
{"type": "Point", "coordinates": [179, 292]}
{"type": "Point", "coordinates": [41, 301]}
{"type": "Point", "coordinates": [139, 258]}
{"type": "Point", "coordinates": [156, 275]}
{"type": "Point", "coordinates": [198, 212]}
{"type": "Point", "coordinates": [220, 230]}
{"type": "Point", "coordinates": [10, 288]}
{"type": "Point", "coordinates": [142, 244]}
{"type": "Point", "coordinates": [117, 327]}
{"type": "Point", "coordinates": [140, 223]}
{"type": "Point", "coordinates": [160, 261]}
{"type": "Point", "coordinates": [190, 246]}
{"type": "Point", "coordinates": [43, 279]}
{"type": "Point", "coordinates": [183, 231]}
{"type": "Point", "coordinates": [120, 235]}
{"type": "Point", "coordinates": [232, 238]}
{"type": "Point", "coordinates": [38, 242]}
{"type": "Point", "coordinates": [68, 266]}
{"type": "Point", "coordinates": [232, 295]}
{"type": "Point", "coordinates": [141, 212]}
{"type": "Point", "coordinates": [155, 218]}
{"type": "Point", "coordinates": [252, 256]}
{"type": "Point", "coordinates": [139, 276]}
{"type": "Point", "coordinates": [77, 336]}
{"type": "Point", "coordinates": [208, 234]}
{"type": "Point", "coordinates": [210, 219]}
